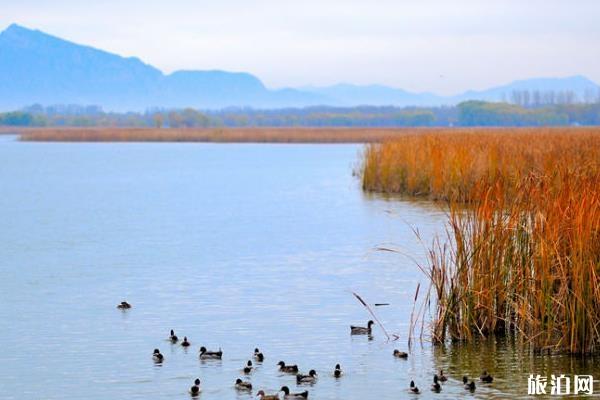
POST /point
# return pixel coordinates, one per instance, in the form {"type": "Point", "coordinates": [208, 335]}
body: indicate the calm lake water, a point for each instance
{"type": "Point", "coordinates": [234, 246]}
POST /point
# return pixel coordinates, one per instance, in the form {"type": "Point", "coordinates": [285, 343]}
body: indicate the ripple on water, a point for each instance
{"type": "Point", "coordinates": [223, 244]}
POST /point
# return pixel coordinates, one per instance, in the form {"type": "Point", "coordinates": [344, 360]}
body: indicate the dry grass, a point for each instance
{"type": "Point", "coordinates": [523, 249]}
{"type": "Point", "coordinates": [9, 130]}
{"type": "Point", "coordinates": [239, 135]}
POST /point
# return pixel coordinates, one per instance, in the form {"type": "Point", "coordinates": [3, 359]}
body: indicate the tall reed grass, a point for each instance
{"type": "Point", "coordinates": [522, 252]}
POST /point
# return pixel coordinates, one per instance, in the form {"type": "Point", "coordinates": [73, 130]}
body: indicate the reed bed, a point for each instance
{"type": "Point", "coordinates": [522, 252]}
{"type": "Point", "coordinates": [234, 135]}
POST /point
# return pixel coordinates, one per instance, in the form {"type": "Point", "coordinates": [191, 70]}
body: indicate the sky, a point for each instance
{"type": "Point", "coordinates": [440, 46]}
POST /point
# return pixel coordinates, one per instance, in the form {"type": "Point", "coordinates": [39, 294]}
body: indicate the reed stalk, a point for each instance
{"type": "Point", "coordinates": [522, 250]}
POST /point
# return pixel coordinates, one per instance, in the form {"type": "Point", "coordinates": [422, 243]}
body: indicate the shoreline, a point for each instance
{"type": "Point", "coordinates": [247, 135]}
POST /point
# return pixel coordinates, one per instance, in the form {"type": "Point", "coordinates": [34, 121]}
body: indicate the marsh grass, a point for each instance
{"type": "Point", "coordinates": [522, 252]}
{"type": "Point", "coordinates": [218, 135]}
{"type": "Point", "coordinates": [234, 135]}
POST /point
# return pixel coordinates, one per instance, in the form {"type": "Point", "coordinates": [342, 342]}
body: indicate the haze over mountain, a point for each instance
{"type": "Point", "coordinates": [39, 68]}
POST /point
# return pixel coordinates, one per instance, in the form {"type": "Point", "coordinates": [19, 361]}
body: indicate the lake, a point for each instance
{"type": "Point", "coordinates": [235, 246]}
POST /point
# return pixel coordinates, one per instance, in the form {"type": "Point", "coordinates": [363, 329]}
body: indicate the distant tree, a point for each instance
{"type": "Point", "coordinates": [480, 113]}
{"type": "Point", "coordinates": [570, 97]}
{"type": "Point", "coordinates": [191, 118]}
{"type": "Point", "coordinates": [536, 98]}
{"type": "Point", "coordinates": [516, 97]}
{"type": "Point", "coordinates": [526, 97]}
{"type": "Point", "coordinates": [549, 97]}
{"type": "Point", "coordinates": [158, 120]}
{"type": "Point", "coordinates": [34, 109]}
{"type": "Point", "coordinates": [17, 118]}
{"type": "Point", "coordinates": [589, 96]}
{"type": "Point", "coordinates": [175, 119]}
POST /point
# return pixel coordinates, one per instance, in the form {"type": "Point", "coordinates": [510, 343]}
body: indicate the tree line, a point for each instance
{"type": "Point", "coordinates": [469, 113]}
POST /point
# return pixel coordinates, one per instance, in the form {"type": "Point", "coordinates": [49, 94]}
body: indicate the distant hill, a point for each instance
{"type": "Point", "coordinates": [39, 68]}
{"type": "Point", "coordinates": [377, 95]}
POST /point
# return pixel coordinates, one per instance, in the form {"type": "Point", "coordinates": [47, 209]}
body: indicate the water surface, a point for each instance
{"type": "Point", "coordinates": [234, 246]}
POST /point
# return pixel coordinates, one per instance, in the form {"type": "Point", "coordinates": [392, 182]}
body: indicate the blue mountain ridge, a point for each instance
{"type": "Point", "coordinates": [39, 68]}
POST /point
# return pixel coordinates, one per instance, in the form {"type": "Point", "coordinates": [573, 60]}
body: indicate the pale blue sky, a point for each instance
{"type": "Point", "coordinates": [440, 46]}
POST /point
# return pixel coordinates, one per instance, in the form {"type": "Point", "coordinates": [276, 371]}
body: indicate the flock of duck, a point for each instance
{"type": "Point", "coordinates": [309, 378]}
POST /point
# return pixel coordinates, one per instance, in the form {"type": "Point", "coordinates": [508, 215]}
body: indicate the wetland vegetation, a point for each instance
{"type": "Point", "coordinates": [522, 251]}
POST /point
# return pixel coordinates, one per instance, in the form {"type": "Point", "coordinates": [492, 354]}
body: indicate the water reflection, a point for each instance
{"type": "Point", "coordinates": [509, 361]}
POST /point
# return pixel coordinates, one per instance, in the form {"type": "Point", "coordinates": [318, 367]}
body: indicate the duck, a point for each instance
{"type": "Point", "coordinates": [157, 357]}
{"type": "Point", "coordinates": [468, 385]}
{"type": "Point", "coordinates": [361, 330]}
{"type": "Point", "coordinates": [195, 389]}
{"type": "Point", "coordinates": [442, 377]}
{"type": "Point", "coordinates": [337, 372]}
{"type": "Point", "coordinates": [414, 388]}
{"type": "Point", "coordinates": [310, 378]}
{"type": "Point", "coordinates": [486, 378]}
{"type": "Point", "coordinates": [173, 337]}
{"type": "Point", "coordinates": [400, 354]}
{"type": "Point", "coordinates": [124, 305]}
{"type": "Point", "coordinates": [241, 385]}
{"type": "Point", "coordinates": [435, 386]}
{"type": "Point", "coordinates": [291, 369]}
{"type": "Point", "coordinates": [290, 396]}
{"type": "Point", "coordinates": [258, 355]}
{"type": "Point", "coordinates": [185, 342]}
{"type": "Point", "coordinates": [261, 394]}
{"type": "Point", "coordinates": [215, 355]}
{"type": "Point", "coordinates": [248, 368]}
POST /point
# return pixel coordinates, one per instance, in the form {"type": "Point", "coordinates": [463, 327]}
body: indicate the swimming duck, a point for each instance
{"type": "Point", "coordinates": [310, 378]}
{"type": "Point", "coordinates": [263, 396]}
{"type": "Point", "coordinates": [486, 378]}
{"type": "Point", "coordinates": [173, 337]}
{"type": "Point", "coordinates": [442, 377]}
{"type": "Point", "coordinates": [435, 386]}
{"type": "Point", "coordinates": [291, 369]}
{"type": "Point", "coordinates": [468, 385]}
{"type": "Point", "coordinates": [290, 396]}
{"type": "Point", "coordinates": [241, 385]}
{"type": "Point", "coordinates": [205, 354]}
{"type": "Point", "coordinates": [337, 372]}
{"type": "Point", "coordinates": [195, 389]}
{"type": "Point", "coordinates": [157, 357]}
{"type": "Point", "coordinates": [414, 388]}
{"type": "Point", "coordinates": [248, 368]}
{"type": "Point", "coordinates": [124, 305]}
{"type": "Point", "coordinates": [185, 342]}
{"type": "Point", "coordinates": [361, 330]}
{"type": "Point", "coordinates": [400, 354]}
{"type": "Point", "coordinates": [258, 355]}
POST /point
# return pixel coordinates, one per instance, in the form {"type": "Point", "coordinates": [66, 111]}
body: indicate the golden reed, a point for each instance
{"type": "Point", "coordinates": [219, 135]}
{"type": "Point", "coordinates": [522, 254]}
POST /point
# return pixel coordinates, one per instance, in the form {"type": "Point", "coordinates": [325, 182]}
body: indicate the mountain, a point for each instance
{"type": "Point", "coordinates": [39, 68]}
{"type": "Point", "coordinates": [376, 95]}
